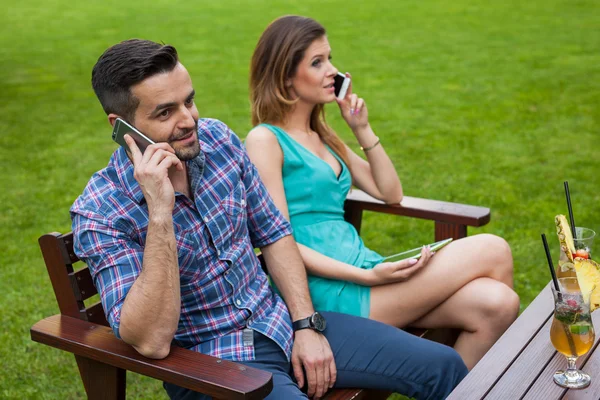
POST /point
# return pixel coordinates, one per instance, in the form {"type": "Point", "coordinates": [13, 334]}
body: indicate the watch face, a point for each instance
{"type": "Point", "coordinates": [318, 322]}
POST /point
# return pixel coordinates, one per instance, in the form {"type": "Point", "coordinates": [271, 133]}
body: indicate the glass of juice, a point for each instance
{"type": "Point", "coordinates": [583, 244]}
{"type": "Point", "coordinates": [585, 240]}
{"type": "Point", "coordinates": [572, 333]}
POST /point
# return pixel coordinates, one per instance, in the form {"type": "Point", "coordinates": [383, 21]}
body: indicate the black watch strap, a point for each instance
{"type": "Point", "coordinates": [301, 324]}
{"type": "Point", "coordinates": [315, 322]}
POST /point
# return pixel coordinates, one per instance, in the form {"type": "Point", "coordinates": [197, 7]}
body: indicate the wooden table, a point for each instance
{"type": "Point", "coordinates": [521, 364]}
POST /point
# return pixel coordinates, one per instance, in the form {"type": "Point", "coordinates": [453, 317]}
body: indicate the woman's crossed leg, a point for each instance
{"type": "Point", "coordinates": [467, 285]}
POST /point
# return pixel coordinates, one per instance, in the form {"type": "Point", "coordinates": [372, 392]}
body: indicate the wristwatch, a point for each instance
{"type": "Point", "coordinates": [315, 322]}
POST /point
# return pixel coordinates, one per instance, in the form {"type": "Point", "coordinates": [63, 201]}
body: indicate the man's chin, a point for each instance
{"type": "Point", "coordinates": [188, 154]}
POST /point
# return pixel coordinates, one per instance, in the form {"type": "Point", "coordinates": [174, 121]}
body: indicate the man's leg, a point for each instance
{"type": "Point", "coordinates": [268, 357]}
{"type": "Point", "coordinates": [372, 355]}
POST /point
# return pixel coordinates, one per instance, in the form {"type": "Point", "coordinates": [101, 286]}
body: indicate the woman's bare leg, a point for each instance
{"type": "Point", "coordinates": [483, 309]}
{"type": "Point", "coordinates": [467, 285]}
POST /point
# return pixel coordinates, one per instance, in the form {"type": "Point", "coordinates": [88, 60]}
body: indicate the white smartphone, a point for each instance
{"type": "Point", "coordinates": [340, 85]}
{"type": "Point", "coordinates": [416, 253]}
{"type": "Point", "coordinates": [122, 128]}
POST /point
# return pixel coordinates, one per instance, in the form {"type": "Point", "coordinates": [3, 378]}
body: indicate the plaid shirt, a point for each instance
{"type": "Point", "coordinates": [223, 288]}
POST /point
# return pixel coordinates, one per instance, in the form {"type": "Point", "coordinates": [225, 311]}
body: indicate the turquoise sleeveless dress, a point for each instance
{"type": "Point", "coordinates": [315, 198]}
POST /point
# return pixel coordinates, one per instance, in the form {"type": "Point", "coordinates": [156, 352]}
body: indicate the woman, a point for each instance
{"type": "Point", "coordinates": [308, 171]}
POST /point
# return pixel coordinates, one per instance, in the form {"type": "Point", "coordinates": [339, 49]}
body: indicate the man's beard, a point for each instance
{"type": "Point", "coordinates": [189, 152]}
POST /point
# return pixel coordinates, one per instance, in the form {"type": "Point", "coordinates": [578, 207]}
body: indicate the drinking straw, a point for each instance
{"type": "Point", "coordinates": [550, 264]}
{"type": "Point", "coordinates": [573, 231]}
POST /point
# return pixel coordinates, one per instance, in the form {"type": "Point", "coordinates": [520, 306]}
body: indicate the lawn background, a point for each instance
{"type": "Point", "coordinates": [486, 103]}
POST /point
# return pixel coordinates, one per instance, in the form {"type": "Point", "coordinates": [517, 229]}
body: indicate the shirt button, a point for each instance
{"type": "Point", "coordinates": [238, 302]}
{"type": "Point", "coordinates": [243, 202]}
{"type": "Point", "coordinates": [206, 219]}
{"type": "Point", "coordinates": [218, 252]}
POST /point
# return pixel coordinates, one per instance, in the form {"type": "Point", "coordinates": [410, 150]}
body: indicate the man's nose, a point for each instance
{"type": "Point", "coordinates": [188, 119]}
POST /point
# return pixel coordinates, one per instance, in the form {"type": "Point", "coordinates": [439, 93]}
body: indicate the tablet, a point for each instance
{"type": "Point", "coordinates": [416, 253]}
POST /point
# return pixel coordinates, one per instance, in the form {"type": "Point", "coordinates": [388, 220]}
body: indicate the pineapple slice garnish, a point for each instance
{"type": "Point", "coordinates": [588, 277]}
{"type": "Point", "coordinates": [565, 236]}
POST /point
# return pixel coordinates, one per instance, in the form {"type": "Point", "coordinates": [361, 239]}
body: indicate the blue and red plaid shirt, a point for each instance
{"type": "Point", "coordinates": [223, 288]}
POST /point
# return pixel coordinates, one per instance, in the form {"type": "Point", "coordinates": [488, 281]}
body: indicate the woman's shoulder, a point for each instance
{"type": "Point", "coordinates": [261, 134]}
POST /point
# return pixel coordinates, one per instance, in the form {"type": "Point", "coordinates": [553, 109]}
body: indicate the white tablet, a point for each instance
{"type": "Point", "coordinates": [416, 253]}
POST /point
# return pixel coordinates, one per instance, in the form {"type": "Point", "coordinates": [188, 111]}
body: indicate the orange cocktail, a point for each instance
{"type": "Point", "coordinates": [572, 332]}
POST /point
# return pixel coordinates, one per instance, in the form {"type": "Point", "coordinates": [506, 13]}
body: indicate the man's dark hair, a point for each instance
{"type": "Point", "coordinates": [124, 65]}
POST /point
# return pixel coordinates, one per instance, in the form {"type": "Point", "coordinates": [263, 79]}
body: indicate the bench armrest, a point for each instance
{"type": "Point", "coordinates": [451, 218]}
{"type": "Point", "coordinates": [422, 208]}
{"type": "Point", "coordinates": [186, 368]}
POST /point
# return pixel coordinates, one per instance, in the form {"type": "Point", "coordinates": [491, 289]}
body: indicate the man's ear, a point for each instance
{"type": "Point", "coordinates": [112, 118]}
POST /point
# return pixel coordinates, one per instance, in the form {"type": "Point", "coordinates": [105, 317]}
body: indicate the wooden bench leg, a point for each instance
{"type": "Point", "coordinates": [445, 230]}
{"type": "Point", "coordinates": [353, 215]}
{"type": "Point", "coordinates": [101, 381]}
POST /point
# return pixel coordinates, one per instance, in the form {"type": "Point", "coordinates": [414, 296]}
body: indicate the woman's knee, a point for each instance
{"type": "Point", "coordinates": [497, 249]}
{"type": "Point", "coordinates": [494, 256]}
{"type": "Point", "coordinates": [498, 302]}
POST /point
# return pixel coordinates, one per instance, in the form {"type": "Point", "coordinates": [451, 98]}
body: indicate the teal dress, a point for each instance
{"type": "Point", "coordinates": [315, 198]}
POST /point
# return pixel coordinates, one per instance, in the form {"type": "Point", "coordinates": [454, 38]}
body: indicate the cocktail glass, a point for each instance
{"type": "Point", "coordinates": [572, 333]}
{"type": "Point", "coordinates": [584, 241]}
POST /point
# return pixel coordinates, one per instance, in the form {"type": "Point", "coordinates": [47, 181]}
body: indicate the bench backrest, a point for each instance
{"type": "Point", "coordinates": [72, 287]}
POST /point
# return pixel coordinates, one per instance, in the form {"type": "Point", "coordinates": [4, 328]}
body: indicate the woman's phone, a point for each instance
{"type": "Point", "coordinates": [416, 253]}
{"type": "Point", "coordinates": [122, 128]}
{"type": "Point", "coordinates": [340, 85]}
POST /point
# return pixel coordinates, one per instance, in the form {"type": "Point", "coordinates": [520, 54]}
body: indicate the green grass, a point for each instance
{"type": "Point", "coordinates": [493, 104]}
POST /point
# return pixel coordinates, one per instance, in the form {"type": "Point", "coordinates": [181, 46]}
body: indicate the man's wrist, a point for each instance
{"type": "Point", "coordinates": [315, 322]}
{"type": "Point", "coordinates": [301, 315]}
{"type": "Point", "coordinates": [159, 218]}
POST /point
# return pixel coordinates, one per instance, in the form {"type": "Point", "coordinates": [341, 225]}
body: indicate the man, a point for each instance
{"type": "Point", "coordinates": [169, 235]}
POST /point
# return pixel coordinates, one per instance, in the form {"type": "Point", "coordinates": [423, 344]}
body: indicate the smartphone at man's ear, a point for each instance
{"type": "Point", "coordinates": [122, 128]}
{"type": "Point", "coordinates": [340, 85]}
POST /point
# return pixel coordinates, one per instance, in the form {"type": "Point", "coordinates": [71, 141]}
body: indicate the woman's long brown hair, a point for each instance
{"type": "Point", "coordinates": [275, 60]}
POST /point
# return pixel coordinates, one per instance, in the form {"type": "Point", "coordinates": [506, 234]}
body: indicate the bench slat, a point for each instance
{"type": "Point", "coordinates": [528, 366]}
{"type": "Point", "coordinates": [95, 314]}
{"type": "Point", "coordinates": [83, 284]}
{"type": "Point", "coordinates": [68, 252]}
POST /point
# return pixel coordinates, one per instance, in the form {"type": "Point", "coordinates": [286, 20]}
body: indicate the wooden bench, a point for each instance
{"type": "Point", "coordinates": [103, 359]}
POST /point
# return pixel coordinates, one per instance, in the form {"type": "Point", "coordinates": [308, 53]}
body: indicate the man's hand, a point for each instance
{"type": "Point", "coordinates": [151, 170]}
{"type": "Point", "coordinates": [311, 353]}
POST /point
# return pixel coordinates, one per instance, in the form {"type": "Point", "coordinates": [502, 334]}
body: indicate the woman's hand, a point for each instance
{"type": "Point", "coordinates": [391, 272]}
{"type": "Point", "coordinates": [353, 109]}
